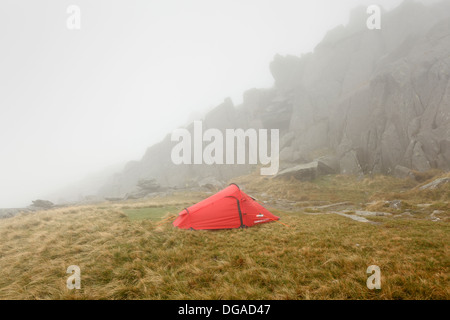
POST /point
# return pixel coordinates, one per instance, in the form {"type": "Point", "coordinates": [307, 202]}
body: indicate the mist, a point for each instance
{"type": "Point", "coordinates": [76, 102]}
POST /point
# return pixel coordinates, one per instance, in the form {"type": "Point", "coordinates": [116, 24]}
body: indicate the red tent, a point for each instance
{"type": "Point", "coordinates": [228, 209]}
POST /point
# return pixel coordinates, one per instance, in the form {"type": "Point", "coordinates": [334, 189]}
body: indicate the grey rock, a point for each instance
{"type": "Point", "coordinates": [287, 154]}
{"type": "Point", "coordinates": [435, 184]}
{"type": "Point", "coordinates": [395, 204]}
{"type": "Point", "coordinates": [406, 214]}
{"type": "Point", "coordinates": [287, 139]}
{"type": "Point", "coordinates": [211, 183]}
{"type": "Point", "coordinates": [112, 199]}
{"type": "Point", "coordinates": [349, 163]}
{"type": "Point", "coordinates": [354, 217]}
{"type": "Point", "coordinates": [370, 213]}
{"type": "Point", "coordinates": [419, 159]}
{"type": "Point", "coordinates": [302, 172]}
{"type": "Point", "coordinates": [328, 165]}
{"type": "Point", "coordinates": [150, 185]}
{"type": "Point", "coordinates": [44, 204]}
{"type": "Point", "coordinates": [433, 215]}
{"type": "Point", "coordinates": [403, 172]}
{"type": "Point", "coordinates": [142, 189]}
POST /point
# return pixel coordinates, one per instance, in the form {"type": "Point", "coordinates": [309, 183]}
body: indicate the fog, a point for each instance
{"type": "Point", "coordinates": [74, 102]}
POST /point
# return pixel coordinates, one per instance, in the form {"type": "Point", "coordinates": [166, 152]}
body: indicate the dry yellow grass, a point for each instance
{"type": "Point", "coordinates": [316, 257]}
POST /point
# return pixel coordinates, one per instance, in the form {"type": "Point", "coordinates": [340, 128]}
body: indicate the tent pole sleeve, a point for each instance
{"type": "Point", "coordinates": [240, 212]}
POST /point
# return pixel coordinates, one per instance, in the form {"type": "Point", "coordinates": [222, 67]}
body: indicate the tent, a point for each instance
{"type": "Point", "coordinates": [228, 209]}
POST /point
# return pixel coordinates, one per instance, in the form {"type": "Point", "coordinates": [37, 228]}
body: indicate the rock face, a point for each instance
{"type": "Point", "coordinates": [375, 101]}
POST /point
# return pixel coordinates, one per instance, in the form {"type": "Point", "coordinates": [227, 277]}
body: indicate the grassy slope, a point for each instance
{"type": "Point", "coordinates": [321, 256]}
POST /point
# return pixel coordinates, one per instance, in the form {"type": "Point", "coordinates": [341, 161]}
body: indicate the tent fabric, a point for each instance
{"type": "Point", "coordinates": [228, 209]}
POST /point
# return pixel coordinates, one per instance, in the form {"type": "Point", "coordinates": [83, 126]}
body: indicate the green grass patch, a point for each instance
{"type": "Point", "coordinates": [154, 214]}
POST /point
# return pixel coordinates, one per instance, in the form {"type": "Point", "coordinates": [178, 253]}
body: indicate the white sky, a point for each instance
{"type": "Point", "coordinates": [74, 102]}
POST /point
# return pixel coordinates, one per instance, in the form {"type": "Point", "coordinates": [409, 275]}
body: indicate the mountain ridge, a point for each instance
{"type": "Point", "coordinates": [372, 99]}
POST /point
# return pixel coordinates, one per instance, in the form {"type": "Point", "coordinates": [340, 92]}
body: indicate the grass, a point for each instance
{"type": "Point", "coordinates": [326, 189]}
{"type": "Point", "coordinates": [127, 251]}
{"type": "Point", "coordinates": [154, 214]}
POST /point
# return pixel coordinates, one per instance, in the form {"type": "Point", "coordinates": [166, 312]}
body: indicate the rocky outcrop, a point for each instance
{"type": "Point", "coordinates": [42, 204]}
{"type": "Point", "coordinates": [377, 101]}
{"type": "Point", "coordinates": [143, 188]}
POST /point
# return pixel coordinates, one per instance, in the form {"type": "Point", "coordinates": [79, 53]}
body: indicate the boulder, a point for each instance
{"type": "Point", "coordinates": [142, 189]}
{"type": "Point", "coordinates": [435, 184]}
{"type": "Point", "coordinates": [150, 185]}
{"type": "Point", "coordinates": [302, 172]}
{"type": "Point", "coordinates": [403, 172]}
{"type": "Point", "coordinates": [328, 165]}
{"type": "Point", "coordinates": [287, 154]}
{"type": "Point", "coordinates": [395, 204]}
{"type": "Point", "coordinates": [44, 204]}
{"type": "Point", "coordinates": [211, 183]}
{"type": "Point", "coordinates": [112, 199]}
{"type": "Point", "coordinates": [372, 214]}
